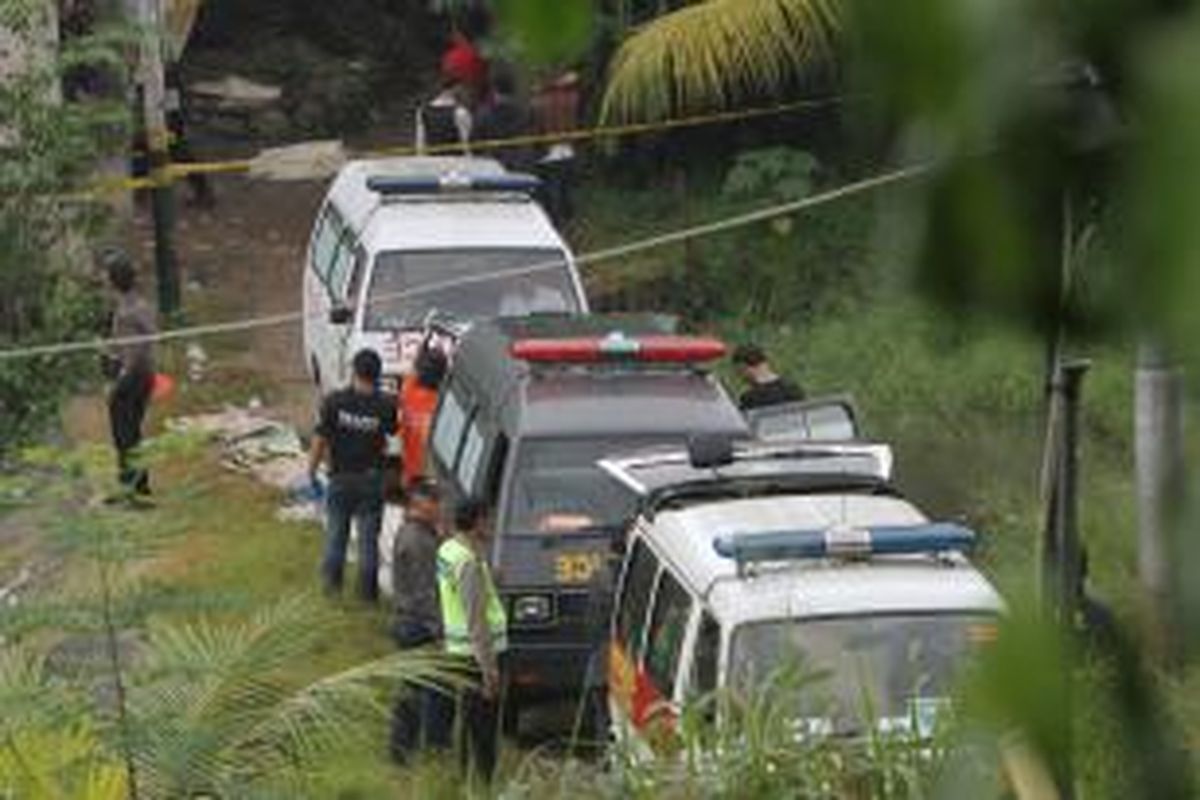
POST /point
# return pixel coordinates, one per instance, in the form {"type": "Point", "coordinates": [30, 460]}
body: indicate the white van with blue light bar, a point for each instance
{"type": "Point", "coordinates": [772, 559]}
{"type": "Point", "coordinates": [399, 238]}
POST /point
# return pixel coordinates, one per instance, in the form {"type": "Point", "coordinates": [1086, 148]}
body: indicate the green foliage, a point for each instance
{"type": "Point", "coordinates": [547, 32]}
{"type": "Point", "coordinates": [789, 268]}
{"type": "Point", "coordinates": [225, 703]}
{"type": "Point", "coordinates": [774, 173]}
{"type": "Point", "coordinates": [218, 708]}
{"type": "Point", "coordinates": [1162, 259]}
{"type": "Point", "coordinates": [745, 745]}
{"type": "Point", "coordinates": [46, 293]}
{"type": "Point", "coordinates": [713, 54]}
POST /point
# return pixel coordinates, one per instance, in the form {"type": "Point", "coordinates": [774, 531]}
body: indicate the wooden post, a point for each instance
{"type": "Point", "coordinates": [152, 78]}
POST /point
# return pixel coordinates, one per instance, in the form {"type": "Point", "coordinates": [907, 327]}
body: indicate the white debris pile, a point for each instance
{"type": "Point", "coordinates": [197, 362]}
{"type": "Point", "coordinates": [305, 161]}
{"type": "Point", "coordinates": [9, 591]}
{"type": "Point", "coordinates": [270, 451]}
{"type": "Point", "coordinates": [236, 92]}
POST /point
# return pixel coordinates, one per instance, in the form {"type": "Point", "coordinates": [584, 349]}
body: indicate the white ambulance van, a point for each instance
{"type": "Point", "coordinates": [775, 558]}
{"type": "Point", "coordinates": [399, 238]}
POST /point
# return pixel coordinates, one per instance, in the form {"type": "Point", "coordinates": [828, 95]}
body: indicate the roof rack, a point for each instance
{"type": "Point", "coordinates": [725, 488]}
{"type": "Point", "coordinates": [844, 541]}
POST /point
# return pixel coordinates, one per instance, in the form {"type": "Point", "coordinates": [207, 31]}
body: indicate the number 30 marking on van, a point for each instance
{"type": "Point", "coordinates": [576, 567]}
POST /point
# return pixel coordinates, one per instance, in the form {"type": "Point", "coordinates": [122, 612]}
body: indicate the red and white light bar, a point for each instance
{"type": "Point", "coordinates": [619, 347]}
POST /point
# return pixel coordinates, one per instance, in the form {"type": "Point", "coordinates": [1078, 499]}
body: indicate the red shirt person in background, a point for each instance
{"type": "Point", "coordinates": [418, 400]}
{"type": "Point", "coordinates": [462, 64]}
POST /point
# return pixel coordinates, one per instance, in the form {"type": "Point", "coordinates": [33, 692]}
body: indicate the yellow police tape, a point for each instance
{"type": "Point", "coordinates": [173, 172]}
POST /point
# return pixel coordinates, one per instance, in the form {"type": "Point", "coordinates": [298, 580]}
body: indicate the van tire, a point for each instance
{"type": "Point", "coordinates": [596, 722]}
{"type": "Point", "coordinates": [510, 715]}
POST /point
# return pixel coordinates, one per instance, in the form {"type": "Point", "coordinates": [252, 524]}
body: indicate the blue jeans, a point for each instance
{"type": "Point", "coordinates": [357, 497]}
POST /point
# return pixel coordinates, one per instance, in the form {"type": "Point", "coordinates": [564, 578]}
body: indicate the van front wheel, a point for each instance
{"type": "Point", "coordinates": [510, 715]}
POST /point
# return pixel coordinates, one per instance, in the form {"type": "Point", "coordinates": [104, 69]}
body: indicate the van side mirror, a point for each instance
{"type": "Point", "coordinates": [340, 315]}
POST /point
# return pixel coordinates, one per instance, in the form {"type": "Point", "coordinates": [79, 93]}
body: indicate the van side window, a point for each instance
{"type": "Point", "coordinates": [638, 580]}
{"type": "Point", "coordinates": [357, 273]}
{"type": "Point", "coordinates": [343, 257]}
{"type": "Point", "coordinates": [703, 679]}
{"type": "Point", "coordinates": [495, 469]}
{"type": "Point", "coordinates": [325, 241]}
{"type": "Point", "coordinates": [472, 456]}
{"type": "Point", "coordinates": [668, 624]}
{"type": "Point", "coordinates": [448, 430]}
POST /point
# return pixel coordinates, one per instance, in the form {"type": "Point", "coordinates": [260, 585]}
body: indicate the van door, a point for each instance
{"type": "Point", "coordinates": [702, 664]}
{"type": "Point", "coordinates": [341, 313]}
{"type": "Point", "coordinates": [638, 576]}
{"type": "Point", "coordinates": [446, 435]}
{"type": "Point", "coordinates": [825, 419]}
{"type": "Point", "coordinates": [656, 704]}
{"type": "Point", "coordinates": [313, 293]}
{"type": "Point", "coordinates": [319, 331]}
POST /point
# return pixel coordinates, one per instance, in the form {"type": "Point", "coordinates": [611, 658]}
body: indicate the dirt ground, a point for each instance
{"type": "Point", "coordinates": [245, 258]}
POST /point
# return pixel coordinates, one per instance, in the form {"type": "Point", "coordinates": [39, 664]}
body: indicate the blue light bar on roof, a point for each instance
{"type": "Point", "coordinates": [453, 182]}
{"type": "Point", "coordinates": [845, 542]}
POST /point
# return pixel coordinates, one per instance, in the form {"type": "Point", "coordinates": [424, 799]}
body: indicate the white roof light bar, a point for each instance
{"type": "Point", "coordinates": [845, 542]}
{"type": "Point", "coordinates": [453, 182]}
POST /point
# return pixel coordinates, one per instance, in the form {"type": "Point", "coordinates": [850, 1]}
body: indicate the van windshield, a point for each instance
{"type": "Point", "coordinates": [846, 675]}
{"type": "Point", "coordinates": [405, 285]}
{"type": "Point", "coordinates": [558, 488]}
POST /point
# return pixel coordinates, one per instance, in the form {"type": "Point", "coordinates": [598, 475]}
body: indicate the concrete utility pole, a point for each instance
{"type": "Point", "coordinates": [152, 80]}
{"type": "Point", "coordinates": [1158, 428]}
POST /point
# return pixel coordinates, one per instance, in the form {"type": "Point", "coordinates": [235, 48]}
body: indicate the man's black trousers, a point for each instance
{"type": "Point", "coordinates": [126, 411]}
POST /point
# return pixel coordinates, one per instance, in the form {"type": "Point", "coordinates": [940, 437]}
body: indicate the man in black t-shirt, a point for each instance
{"type": "Point", "coordinates": [351, 433]}
{"type": "Point", "coordinates": [764, 387]}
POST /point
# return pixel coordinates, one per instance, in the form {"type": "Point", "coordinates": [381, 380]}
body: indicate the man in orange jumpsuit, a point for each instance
{"type": "Point", "coordinates": [418, 400]}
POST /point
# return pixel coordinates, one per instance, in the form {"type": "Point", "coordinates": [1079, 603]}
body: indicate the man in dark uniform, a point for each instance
{"type": "Point", "coordinates": [131, 367]}
{"type": "Point", "coordinates": [418, 619]}
{"type": "Point", "coordinates": [764, 386]}
{"type": "Point", "coordinates": [351, 432]}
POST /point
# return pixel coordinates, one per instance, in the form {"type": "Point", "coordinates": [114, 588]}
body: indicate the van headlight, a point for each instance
{"type": "Point", "coordinates": [530, 609]}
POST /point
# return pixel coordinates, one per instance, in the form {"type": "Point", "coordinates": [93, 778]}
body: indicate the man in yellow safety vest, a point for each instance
{"type": "Point", "coordinates": [475, 629]}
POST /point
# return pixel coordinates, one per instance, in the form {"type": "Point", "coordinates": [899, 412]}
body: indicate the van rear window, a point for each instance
{"type": "Point", "coordinates": [474, 284]}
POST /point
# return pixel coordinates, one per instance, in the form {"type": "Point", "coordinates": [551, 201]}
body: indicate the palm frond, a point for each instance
{"type": "Point", "coordinates": [203, 682]}
{"type": "Point", "coordinates": [327, 713]}
{"type": "Point", "coordinates": [712, 54]}
{"type": "Point", "coordinates": [220, 707]}
{"type": "Point", "coordinates": [67, 762]}
{"type": "Point", "coordinates": [48, 747]}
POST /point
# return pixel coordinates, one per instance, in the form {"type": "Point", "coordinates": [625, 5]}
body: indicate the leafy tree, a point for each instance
{"type": "Point", "coordinates": [49, 150]}
{"type": "Point", "coordinates": [715, 53]}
